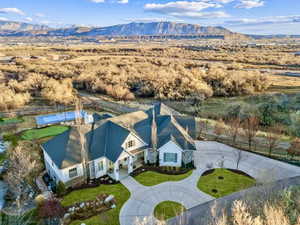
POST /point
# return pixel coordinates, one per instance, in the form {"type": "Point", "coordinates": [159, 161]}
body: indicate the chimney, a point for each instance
{"type": "Point", "coordinates": [154, 131]}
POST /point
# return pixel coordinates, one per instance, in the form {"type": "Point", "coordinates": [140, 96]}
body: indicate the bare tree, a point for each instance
{"type": "Point", "coordinates": [234, 129]}
{"type": "Point", "coordinates": [201, 128]}
{"type": "Point", "coordinates": [273, 137]}
{"type": "Point", "coordinates": [239, 156]}
{"type": "Point", "coordinates": [250, 127]}
{"type": "Point", "coordinates": [80, 129]}
{"type": "Point", "coordinates": [219, 129]}
{"type": "Point", "coordinates": [294, 149]}
{"type": "Point", "coordinates": [21, 166]}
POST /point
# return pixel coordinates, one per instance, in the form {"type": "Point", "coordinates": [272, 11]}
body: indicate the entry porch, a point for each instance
{"type": "Point", "coordinates": [126, 164]}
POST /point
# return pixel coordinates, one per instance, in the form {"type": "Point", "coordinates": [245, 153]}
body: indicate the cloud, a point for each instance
{"type": "Point", "coordinates": [151, 19]}
{"type": "Point", "coordinates": [40, 15]}
{"type": "Point", "coordinates": [123, 1]}
{"type": "Point", "coordinates": [29, 19]}
{"type": "Point", "coordinates": [180, 7]}
{"type": "Point", "coordinates": [224, 1]}
{"type": "Point", "coordinates": [249, 4]}
{"type": "Point", "coordinates": [264, 21]}
{"type": "Point", "coordinates": [201, 15]}
{"type": "Point", "coordinates": [97, 1]}
{"type": "Point", "coordinates": [12, 10]}
{"type": "Point", "coordinates": [189, 10]}
{"type": "Point", "coordinates": [3, 19]}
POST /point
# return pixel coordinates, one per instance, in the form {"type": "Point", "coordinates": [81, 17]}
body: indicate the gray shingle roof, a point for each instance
{"type": "Point", "coordinates": [58, 150]}
{"type": "Point", "coordinates": [106, 140]}
{"type": "Point", "coordinates": [105, 137]}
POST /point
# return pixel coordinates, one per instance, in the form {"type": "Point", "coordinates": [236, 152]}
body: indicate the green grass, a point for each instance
{"type": "Point", "coordinates": [110, 217]}
{"type": "Point", "coordinates": [151, 178]}
{"type": "Point", "coordinates": [6, 121]}
{"type": "Point", "coordinates": [34, 134]}
{"type": "Point", "coordinates": [168, 209]}
{"type": "Point", "coordinates": [231, 183]}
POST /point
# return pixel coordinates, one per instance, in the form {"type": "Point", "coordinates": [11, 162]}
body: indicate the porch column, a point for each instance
{"type": "Point", "coordinates": [116, 170]}
{"type": "Point", "coordinates": [145, 156]}
{"type": "Point", "coordinates": [130, 165]}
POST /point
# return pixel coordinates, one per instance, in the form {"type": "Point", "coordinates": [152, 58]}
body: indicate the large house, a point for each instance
{"type": "Point", "coordinates": [116, 146]}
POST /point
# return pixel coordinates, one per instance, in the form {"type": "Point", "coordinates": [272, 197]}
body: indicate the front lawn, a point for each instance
{"type": "Point", "coordinates": [6, 121]}
{"type": "Point", "coordinates": [110, 217]}
{"type": "Point", "coordinates": [151, 178]}
{"type": "Point", "coordinates": [43, 132]}
{"type": "Point", "coordinates": [168, 209]}
{"type": "Point", "coordinates": [222, 182]}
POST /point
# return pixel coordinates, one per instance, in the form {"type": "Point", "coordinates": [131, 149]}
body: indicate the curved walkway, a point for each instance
{"type": "Point", "coordinates": [144, 199]}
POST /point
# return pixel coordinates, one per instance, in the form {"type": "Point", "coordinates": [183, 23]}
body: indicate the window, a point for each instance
{"type": "Point", "coordinates": [73, 172]}
{"type": "Point", "coordinates": [170, 157]}
{"type": "Point", "coordinates": [100, 165]}
{"type": "Point", "coordinates": [130, 144]}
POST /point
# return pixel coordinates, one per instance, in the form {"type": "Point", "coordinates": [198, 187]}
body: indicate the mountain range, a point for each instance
{"type": "Point", "coordinates": [10, 28]}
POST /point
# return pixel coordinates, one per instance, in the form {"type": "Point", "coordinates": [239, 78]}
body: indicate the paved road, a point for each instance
{"type": "Point", "coordinates": [144, 199]}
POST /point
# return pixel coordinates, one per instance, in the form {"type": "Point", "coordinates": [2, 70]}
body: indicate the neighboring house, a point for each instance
{"type": "Point", "coordinates": [67, 117]}
{"type": "Point", "coordinates": [116, 146]}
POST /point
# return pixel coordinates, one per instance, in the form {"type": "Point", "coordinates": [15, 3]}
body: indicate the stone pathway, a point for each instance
{"type": "Point", "coordinates": [144, 199]}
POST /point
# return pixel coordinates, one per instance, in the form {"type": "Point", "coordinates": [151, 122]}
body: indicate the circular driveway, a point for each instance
{"type": "Point", "coordinates": [140, 206]}
{"type": "Point", "coordinates": [144, 199]}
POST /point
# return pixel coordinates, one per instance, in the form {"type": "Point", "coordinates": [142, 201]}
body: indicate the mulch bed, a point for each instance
{"type": "Point", "coordinates": [161, 170]}
{"type": "Point", "coordinates": [232, 170]}
{"type": "Point", "coordinates": [104, 180]}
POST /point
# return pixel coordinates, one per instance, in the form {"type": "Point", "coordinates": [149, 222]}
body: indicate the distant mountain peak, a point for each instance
{"type": "Point", "coordinates": [130, 29]}
{"type": "Point", "coordinates": [13, 26]}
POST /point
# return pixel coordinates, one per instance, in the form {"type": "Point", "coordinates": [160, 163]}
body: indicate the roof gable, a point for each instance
{"type": "Point", "coordinates": [106, 140]}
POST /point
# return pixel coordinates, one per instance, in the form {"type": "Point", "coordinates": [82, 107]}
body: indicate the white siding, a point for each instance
{"type": "Point", "coordinates": [65, 172]}
{"type": "Point", "coordinates": [60, 174]}
{"type": "Point", "coordinates": [170, 147]}
{"type": "Point", "coordinates": [138, 143]}
{"type": "Point", "coordinates": [99, 173]}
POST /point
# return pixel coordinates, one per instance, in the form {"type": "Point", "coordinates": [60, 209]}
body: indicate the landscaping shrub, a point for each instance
{"type": "Point", "coordinates": [12, 138]}
{"type": "Point", "coordinates": [51, 211]}
{"type": "Point", "coordinates": [61, 189]}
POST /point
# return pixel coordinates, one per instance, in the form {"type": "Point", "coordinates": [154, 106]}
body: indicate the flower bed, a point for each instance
{"type": "Point", "coordinates": [104, 180]}
{"type": "Point", "coordinates": [87, 209]}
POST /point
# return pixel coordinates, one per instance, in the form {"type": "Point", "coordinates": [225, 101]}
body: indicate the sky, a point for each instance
{"type": "Point", "coordinates": [245, 16]}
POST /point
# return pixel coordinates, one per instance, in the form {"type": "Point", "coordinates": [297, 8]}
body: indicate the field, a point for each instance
{"type": "Point", "coordinates": [130, 72]}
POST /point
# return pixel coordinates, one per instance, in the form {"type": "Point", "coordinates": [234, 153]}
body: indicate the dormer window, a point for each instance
{"type": "Point", "coordinates": [130, 144]}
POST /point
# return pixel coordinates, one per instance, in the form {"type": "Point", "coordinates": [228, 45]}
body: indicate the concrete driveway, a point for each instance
{"type": "Point", "coordinates": [140, 206]}
{"type": "Point", "coordinates": [261, 168]}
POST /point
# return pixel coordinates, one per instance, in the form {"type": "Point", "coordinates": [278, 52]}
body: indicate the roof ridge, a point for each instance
{"type": "Point", "coordinates": [182, 131]}
{"type": "Point", "coordinates": [105, 139]}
